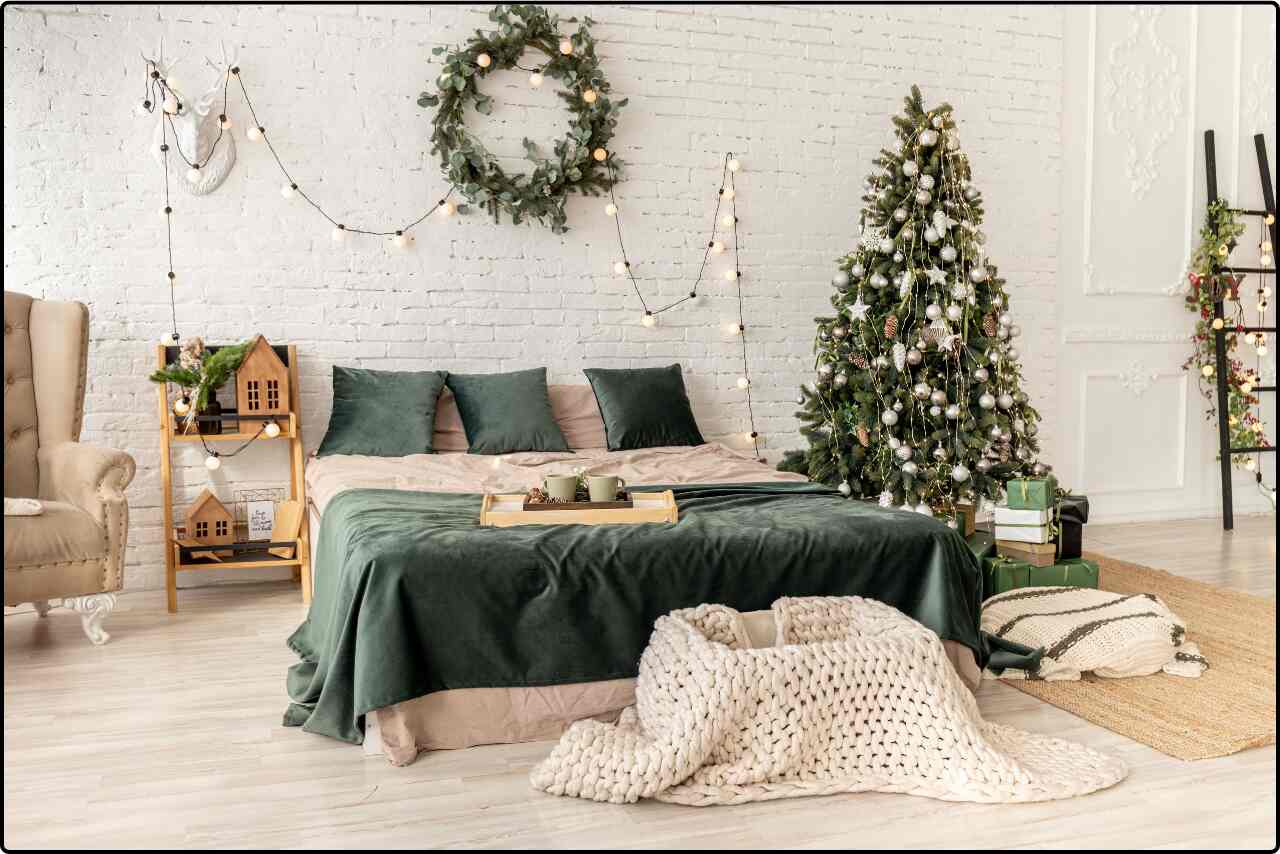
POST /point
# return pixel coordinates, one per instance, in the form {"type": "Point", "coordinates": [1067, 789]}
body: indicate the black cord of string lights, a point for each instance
{"type": "Point", "coordinates": [726, 178]}
{"type": "Point", "coordinates": [213, 453]}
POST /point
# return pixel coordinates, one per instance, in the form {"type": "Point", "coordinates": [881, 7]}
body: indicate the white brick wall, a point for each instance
{"type": "Point", "coordinates": [803, 95]}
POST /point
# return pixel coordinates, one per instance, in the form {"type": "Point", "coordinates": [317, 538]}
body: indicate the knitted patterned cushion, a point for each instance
{"type": "Point", "coordinates": [1084, 630]}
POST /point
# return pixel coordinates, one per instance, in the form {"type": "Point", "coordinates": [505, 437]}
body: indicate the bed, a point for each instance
{"type": "Point", "coordinates": [428, 632]}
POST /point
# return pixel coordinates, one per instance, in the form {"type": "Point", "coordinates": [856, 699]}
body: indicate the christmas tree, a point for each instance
{"type": "Point", "coordinates": [918, 396]}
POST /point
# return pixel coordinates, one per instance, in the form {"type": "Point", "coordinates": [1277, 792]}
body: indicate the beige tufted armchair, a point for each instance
{"type": "Point", "coordinates": [74, 550]}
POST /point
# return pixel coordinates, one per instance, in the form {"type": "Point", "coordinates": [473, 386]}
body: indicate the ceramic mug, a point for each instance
{"type": "Point", "coordinates": [560, 487]}
{"type": "Point", "coordinates": [602, 487]}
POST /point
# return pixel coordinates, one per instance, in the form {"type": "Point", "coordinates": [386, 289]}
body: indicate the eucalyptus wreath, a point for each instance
{"type": "Point", "coordinates": [580, 162]}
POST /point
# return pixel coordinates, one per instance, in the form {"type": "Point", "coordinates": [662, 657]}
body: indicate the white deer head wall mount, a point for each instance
{"type": "Point", "coordinates": [195, 129]}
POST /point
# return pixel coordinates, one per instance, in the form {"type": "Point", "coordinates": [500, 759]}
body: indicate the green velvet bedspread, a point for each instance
{"type": "Point", "coordinates": [413, 596]}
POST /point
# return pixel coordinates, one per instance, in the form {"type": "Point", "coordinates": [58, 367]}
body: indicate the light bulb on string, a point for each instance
{"type": "Point", "coordinates": [173, 83]}
{"type": "Point", "coordinates": [611, 209]}
{"type": "Point", "coordinates": [401, 240]}
{"type": "Point", "coordinates": [733, 328]}
{"type": "Point", "coordinates": [212, 463]}
{"type": "Point", "coordinates": [648, 320]}
{"type": "Point", "coordinates": [730, 275]}
{"type": "Point", "coordinates": [166, 211]}
{"type": "Point", "coordinates": [566, 47]}
{"type": "Point", "coordinates": [535, 79]}
{"type": "Point", "coordinates": [339, 233]}
{"type": "Point", "coordinates": [620, 267]}
{"type": "Point", "coordinates": [288, 191]}
{"type": "Point", "coordinates": [600, 155]}
{"type": "Point", "coordinates": [193, 175]}
{"type": "Point", "coordinates": [589, 96]}
{"type": "Point", "coordinates": [727, 220]}
{"type": "Point", "coordinates": [447, 208]}
{"type": "Point", "coordinates": [181, 406]}
{"type": "Point", "coordinates": [717, 247]}
{"type": "Point", "coordinates": [743, 383]}
{"type": "Point", "coordinates": [484, 60]}
{"type": "Point", "coordinates": [143, 108]}
{"type": "Point", "coordinates": [170, 104]}
{"type": "Point", "coordinates": [224, 121]}
{"type": "Point", "coordinates": [272, 430]}
{"type": "Point", "coordinates": [734, 165]}
{"type": "Point", "coordinates": [254, 133]}
{"type": "Point", "coordinates": [1207, 370]}
{"type": "Point", "coordinates": [728, 193]}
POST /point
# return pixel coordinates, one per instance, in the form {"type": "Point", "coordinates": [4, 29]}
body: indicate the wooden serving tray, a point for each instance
{"type": "Point", "coordinates": [502, 511]}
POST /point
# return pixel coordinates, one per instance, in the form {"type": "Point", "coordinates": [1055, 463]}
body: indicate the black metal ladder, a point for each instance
{"type": "Point", "coordinates": [1219, 313]}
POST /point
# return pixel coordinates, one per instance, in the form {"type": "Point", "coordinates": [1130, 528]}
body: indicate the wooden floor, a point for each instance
{"type": "Point", "coordinates": [170, 736]}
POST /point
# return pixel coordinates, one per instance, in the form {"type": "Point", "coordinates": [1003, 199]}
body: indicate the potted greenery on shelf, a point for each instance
{"type": "Point", "coordinates": [200, 373]}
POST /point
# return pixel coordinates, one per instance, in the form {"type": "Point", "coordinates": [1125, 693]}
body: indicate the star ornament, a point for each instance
{"type": "Point", "coordinates": [936, 276]}
{"type": "Point", "coordinates": [859, 309]}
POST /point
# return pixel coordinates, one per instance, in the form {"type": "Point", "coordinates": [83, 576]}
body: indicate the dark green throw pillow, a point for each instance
{"type": "Point", "coordinates": [382, 413]}
{"type": "Point", "coordinates": [505, 413]}
{"type": "Point", "coordinates": [644, 407]}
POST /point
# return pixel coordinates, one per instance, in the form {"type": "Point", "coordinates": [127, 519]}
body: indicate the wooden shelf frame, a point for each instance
{"type": "Point", "coordinates": [290, 432]}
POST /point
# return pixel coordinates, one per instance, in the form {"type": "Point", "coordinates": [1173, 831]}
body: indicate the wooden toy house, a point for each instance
{"type": "Point", "coordinates": [262, 385]}
{"type": "Point", "coordinates": [210, 522]}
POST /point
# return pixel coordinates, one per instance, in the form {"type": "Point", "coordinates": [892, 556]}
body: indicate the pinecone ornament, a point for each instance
{"type": "Point", "coordinates": [859, 361]}
{"type": "Point", "coordinates": [864, 437]}
{"type": "Point", "coordinates": [989, 325]}
{"type": "Point", "coordinates": [891, 326]}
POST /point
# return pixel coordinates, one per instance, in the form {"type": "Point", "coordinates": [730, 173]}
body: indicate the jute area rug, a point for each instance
{"type": "Point", "coordinates": [1230, 708]}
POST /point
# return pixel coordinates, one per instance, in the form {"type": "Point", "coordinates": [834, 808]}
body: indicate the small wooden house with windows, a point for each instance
{"type": "Point", "coordinates": [210, 522]}
{"type": "Point", "coordinates": [262, 385]}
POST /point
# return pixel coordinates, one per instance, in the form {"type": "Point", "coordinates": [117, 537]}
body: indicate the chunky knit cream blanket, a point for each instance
{"type": "Point", "coordinates": [854, 697]}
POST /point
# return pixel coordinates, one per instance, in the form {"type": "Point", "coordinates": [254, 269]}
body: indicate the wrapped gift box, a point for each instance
{"type": "Point", "coordinates": [1002, 574]}
{"type": "Point", "coordinates": [1036, 554]}
{"type": "Point", "coordinates": [1022, 533]}
{"type": "Point", "coordinates": [1072, 513]}
{"type": "Point", "coordinates": [1075, 572]}
{"type": "Point", "coordinates": [1014, 516]}
{"type": "Point", "coordinates": [982, 544]}
{"type": "Point", "coordinates": [1031, 493]}
{"type": "Point", "coordinates": [966, 517]}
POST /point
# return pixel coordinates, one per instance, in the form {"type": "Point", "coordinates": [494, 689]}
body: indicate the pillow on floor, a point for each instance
{"type": "Point", "coordinates": [505, 413]}
{"type": "Point", "coordinates": [382, 413]}
{"type": "Point", "coordinates": [644, 407]}
{"type": "Point", "coordinates": [1092, 631]}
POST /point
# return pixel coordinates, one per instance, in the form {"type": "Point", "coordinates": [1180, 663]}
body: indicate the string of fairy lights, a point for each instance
{"type": "Point", "coordinates": [162, 93]}
{"type": "Point", "coordinates": [726, 193]}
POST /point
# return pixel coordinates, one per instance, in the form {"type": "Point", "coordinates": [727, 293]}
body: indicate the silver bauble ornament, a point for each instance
{"type": "Point", "coordinates": [909, 468]}
{"type": "Point", "coordinates": [840, 279]}
{"type": "Point", "coordinates": [857, 270]}
{"type": "Point", "coordinates": [897, 406]}
{"type": "Point", "coordinates": [900, 214]}
{"type": "Point", "coordinates": [921, 391]}
{"type": "Point", "coordinates": [931, 235]}
{"type": "Point", "coordinates": [933, 311]}
{"type": "Point", "coordinates": [910, 168]}
{"type": "Point", "coordinates": [954, 312]}
{"type": "Point", "coordinates": [894, 442]}
{"type": "Point", "coordinates": [947, 253]}
{"type": "Point", "coordinates": [825, 370]}
{"type": "Point", "coordinates": [1023, 454]}
{"type": "Point", "coordinates": [923, 197]}
{"type": "Point", "coordinates": [926, 181]}
{"type": "Point", "coordinates": [977, 275]}
{"type": "Point", "coordinates": [908, 234]}
{"type": "Point", "coordinates": [1039, 469]}
{"type": "Point", "coordinates": [993, 357]}
{"type": "Point", "coordinates": [1005, 401]}
{"type": "Point", "coordinates": [987, 401]}
{"type": "Point", "coordinates": [1013, 353]}
{"type": "Point", "coordinates": [885, 246]}
{"type": "Point", "coordinates": [994, 432]}
{"type": "Point", "coordinates": [889, 418]}
{"type": "Point", "coordinates": [841, 380]}
{"type": "Point", "coordinates": [1021, 397]}
{"type": "Point", "coordinates": [845, 489]}
{"type": "Point", "coordinates": [936, 121]}
{"type": "Point", "coordinates": [938, 397]}
{"type": "Point", "coordinates": [1006, 319]}
{"type": "Point", "coordinates": [914, 356]}
{"type": "Point", "coordinates": [1032, 430]}
{"type": "Point", "coordinates": [934, 411]}
{"type": "Point", "coordinates": [838, 332]}
{"type": "Point", "coordinates": [981, 375]}
{"type": "Point", "coordinates": [878, 280]}
{"type": "Point", "coordinates": [959, 290]}
{"type": "Point", "coordinates": [928, 137]}
{"type": "Point", "coordinates": [1019, 425]}
{"type": "Point", "coordinates": [903, 453]}
{"type": "Point", "coordinates": [880, 362]}
{"type": "Point", "coordinates": [960, 473]}
{"type": "Point", "coordinates": [983, 466]}
{"type": "Point", "coordinates": [923, 509]}
{"type": "Point", "coordinates": [1002, 334]}
{"type": "Point", "coordinates": [971, 193]}
{"type": "Point", "coordinates": [1015, 330]}
{"type": "Point", "coordinates": [898, 256]}
{"type": "Point", "coordinates": [953, 411]}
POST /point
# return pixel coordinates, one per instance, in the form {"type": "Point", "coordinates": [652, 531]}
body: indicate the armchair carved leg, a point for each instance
{"type": "Point", "coordinates": [93, 610]}
{"type": "Point", "coordinates": [42, 607]}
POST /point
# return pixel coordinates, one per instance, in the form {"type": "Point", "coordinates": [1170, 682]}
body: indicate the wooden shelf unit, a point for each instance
{"type": "Point", "coordinates": [255, 558]}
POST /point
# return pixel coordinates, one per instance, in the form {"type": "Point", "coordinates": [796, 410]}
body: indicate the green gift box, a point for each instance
{"type": "Point", "coordinates": [982, 544]}
{"type": "Point", "coordinates": [1032, 493]}
{"type": "Point", "coordinates": [1002, 574]}
{"type": "Point", "coordinates": [1073, 572]}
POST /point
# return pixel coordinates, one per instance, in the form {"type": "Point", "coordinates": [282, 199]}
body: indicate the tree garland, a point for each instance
{"type": "Point", "coordinates": [579, 160]}
{"type": "Point", "coordinates": [1210, 276]}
